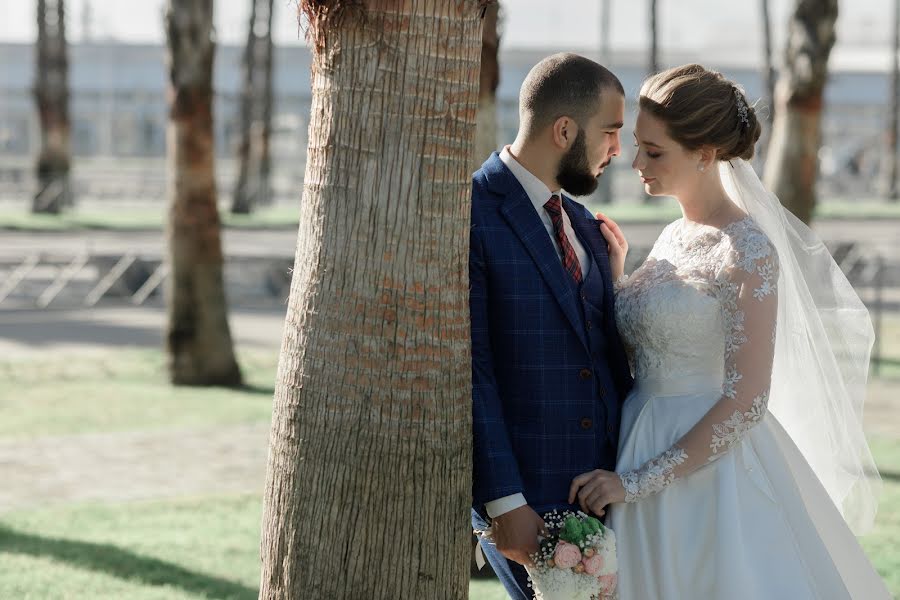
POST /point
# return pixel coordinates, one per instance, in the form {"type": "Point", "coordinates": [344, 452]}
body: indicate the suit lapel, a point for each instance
{"type": "Point", "coordinates": [592, 239]}
{"type": "Point", "coordinates": [527, 225]}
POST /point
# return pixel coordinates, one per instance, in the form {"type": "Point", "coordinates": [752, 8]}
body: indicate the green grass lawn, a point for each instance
{"type": "Point", "coordinates": [139, 218]}
{"type": "Point", "coordinates": [667, 210]}
{"type": "Point", "coordinates": [890, 345]}
{"type": "Point", "coordinates": [286, 216]}
{"type": "Point", "coordinates": [208, 548]}
{"type": "Point", "coordinates": [189, 548]}
{"type": "Point", "coordinates": [123, 391]}
{"type": "Point", "coordinates": [196, 548]}
{"type": "Point", "coordinates": [186, 549]}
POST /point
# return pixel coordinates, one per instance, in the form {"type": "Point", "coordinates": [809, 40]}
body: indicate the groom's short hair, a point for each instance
{"type": "Point", "coordinates": [563, 85]}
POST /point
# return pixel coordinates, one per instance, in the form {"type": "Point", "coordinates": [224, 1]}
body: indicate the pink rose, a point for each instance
{"type": "Point", "coordinates": [566, 555]}
{"type": "Point", "coordinates": [608, 583]}
{"type": "Point", "coordinates": [593, 564]}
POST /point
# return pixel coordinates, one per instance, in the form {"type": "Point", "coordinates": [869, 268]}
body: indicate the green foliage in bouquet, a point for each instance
{"type": "Point", "coordinates": [576, 531]}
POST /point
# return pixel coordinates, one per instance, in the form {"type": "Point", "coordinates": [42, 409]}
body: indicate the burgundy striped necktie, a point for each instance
{"type": "Point", "coordinates": [570, 259]}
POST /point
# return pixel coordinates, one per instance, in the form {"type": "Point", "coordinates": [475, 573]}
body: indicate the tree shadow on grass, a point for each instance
{"type": "Point", "coordinates": [123, 564]}
{"type": "Point", "coordinates": [891, 475]}
{"type": "Point", "coordinates": [260, 390]}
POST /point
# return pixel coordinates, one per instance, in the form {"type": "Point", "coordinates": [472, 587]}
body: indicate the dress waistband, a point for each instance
{"type": "Point", "coordinates": [676, 385]}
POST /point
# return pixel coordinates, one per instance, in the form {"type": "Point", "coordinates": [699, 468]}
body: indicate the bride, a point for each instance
{"type": "Point", "coordinates": [742, 470]}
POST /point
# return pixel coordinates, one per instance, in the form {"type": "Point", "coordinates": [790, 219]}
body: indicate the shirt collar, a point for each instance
{"type": "Point", "coordinates": [537, 190]}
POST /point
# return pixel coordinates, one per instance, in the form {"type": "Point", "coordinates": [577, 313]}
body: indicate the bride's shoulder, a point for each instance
{"type": "Point", "coordinates": [749, 244]}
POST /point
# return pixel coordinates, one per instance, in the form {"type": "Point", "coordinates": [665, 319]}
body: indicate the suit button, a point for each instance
{"type": "Point", "coordinates": [589, 324]}
{"type": "Point", "coordinates": [583, 296]}
{"type": "Point", "coordinates": [585, 374]}
{"type": "Point", "coordinates": [609, 428]}
{"type": "Point", "coordinates": [586, 423]}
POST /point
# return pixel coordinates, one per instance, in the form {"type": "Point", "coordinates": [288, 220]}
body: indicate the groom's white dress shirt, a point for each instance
{"type": "Point", "coordinates": [539, 194]}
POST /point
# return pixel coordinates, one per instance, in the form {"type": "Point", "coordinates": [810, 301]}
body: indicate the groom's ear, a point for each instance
{"type": "Point", "coordinates": [564, 130]}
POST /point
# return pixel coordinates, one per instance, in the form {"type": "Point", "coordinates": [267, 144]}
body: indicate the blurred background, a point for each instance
{"type": "Point", "coordinates": [117, 483]}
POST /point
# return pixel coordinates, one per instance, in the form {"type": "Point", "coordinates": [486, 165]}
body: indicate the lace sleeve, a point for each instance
{"type": "Point", "coordinates": [748, 295]}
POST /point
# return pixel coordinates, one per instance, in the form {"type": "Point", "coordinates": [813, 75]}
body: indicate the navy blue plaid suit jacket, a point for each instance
{"type": "Point", "coordinates": [528, 348]}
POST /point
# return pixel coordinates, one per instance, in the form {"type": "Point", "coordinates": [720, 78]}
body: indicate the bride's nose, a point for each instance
{"type": "Point", "coordinates": [637, 164]}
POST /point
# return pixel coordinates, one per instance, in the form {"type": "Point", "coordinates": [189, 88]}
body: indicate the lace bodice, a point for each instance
{"type": "Point", "coordinates": [702, 305]}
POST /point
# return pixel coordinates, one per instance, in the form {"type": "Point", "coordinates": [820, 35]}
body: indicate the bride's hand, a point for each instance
{"type": "Point", "coordinates": [596, 490]}
{"type": "Point", "coordinates": [616, 243]}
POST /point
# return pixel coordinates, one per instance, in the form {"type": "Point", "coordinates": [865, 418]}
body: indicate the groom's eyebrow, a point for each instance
{"type": "Point", "coordinates": [616, 125]}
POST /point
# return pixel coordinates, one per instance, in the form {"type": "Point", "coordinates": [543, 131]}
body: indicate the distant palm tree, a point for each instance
{"type": "Point", "coordinates": [654, 37]}
{"type": "Point", "coordinates": [486, 128]}
{"type": "Point", "coordinates": [253, 187]}
{"type": "Point", "coordinates": [654, 64]}
{"type": "Point", "coordinates": [198, 339]}
{"type": "Point", "coordinates": [605, 23]}
{"type": "Point", "coordinates": [792, 165]}
{"type": "Point", "coordinates": [605, 187]}
{"type": "Point", "coordinates": [891, 187]}
{"type": "Point", "coordinates": [51, 93]}
{"type": "Point", "coordinates": [768, 74]}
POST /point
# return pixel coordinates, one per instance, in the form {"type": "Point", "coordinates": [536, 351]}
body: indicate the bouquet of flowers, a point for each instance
{"type": "Point", "coordinates": [576, 560]}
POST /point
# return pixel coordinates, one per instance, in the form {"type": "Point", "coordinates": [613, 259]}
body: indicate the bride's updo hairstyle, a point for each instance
{"type": "Point", "coordinates": [702, 108]}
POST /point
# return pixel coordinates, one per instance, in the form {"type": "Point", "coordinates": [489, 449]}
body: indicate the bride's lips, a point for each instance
{"type": "Point", "coordinates": [648, 179]}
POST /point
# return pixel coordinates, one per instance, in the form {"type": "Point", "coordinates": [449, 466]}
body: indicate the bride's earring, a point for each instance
{"type": "Point", "coordinates": [701, 167]}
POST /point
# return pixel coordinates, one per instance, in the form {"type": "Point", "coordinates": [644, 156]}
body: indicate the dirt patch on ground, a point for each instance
{"type": "Point", "coordinates": [55, 470]}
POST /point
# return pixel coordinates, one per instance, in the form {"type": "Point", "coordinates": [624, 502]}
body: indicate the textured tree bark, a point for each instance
{"type": "Point", "coordinates": [51, 94]}
{"type": "Point", "coordinates": [369, 476]}
{"type": "Point", "coordinates": [198, 338]}
{"type": "Point", "coordinates": [486, 130]}
{"type": "Point", "coordinates": [792, 162]}
{"type": "Point", "coordinates": [252, 187]}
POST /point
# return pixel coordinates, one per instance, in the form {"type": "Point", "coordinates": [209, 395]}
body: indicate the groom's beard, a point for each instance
{"type": "Point", "coordinates": [574, 173]}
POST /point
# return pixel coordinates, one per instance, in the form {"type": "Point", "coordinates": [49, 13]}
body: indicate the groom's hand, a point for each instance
{"type": "Point", "coordinates": [516, 533]}
{"type": "Point", "coordinates": [597, 490]}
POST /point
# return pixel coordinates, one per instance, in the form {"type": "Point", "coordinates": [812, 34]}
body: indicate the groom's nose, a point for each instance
{"type": "Point", "coordinates": [615, 148]}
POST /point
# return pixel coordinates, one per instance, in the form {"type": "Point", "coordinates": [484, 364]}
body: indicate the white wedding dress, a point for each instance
{"type": "Point", "coordinates": [720, 502]}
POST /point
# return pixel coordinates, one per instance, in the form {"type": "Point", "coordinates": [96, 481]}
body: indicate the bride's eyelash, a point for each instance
{"type": "Point", "coordinates": [651, 155]}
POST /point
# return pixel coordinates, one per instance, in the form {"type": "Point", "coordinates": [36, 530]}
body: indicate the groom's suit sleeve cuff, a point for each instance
{"type": "Point", "coordinates": [497, 507]}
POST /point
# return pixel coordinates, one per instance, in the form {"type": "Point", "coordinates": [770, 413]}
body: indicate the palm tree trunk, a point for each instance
{"type": "Point", "coordinates": [605, 28]}
{"type": "Point", "coordinates": [486, 129]}
{"type": "Point", "coordinates": [264, 187]}
{"type": "Point", "coordinates": [198, 337]}
{"type": "Point", "coordinates": [240, 200]}
{"type": "Point", "coordinates": [792, 165]}
{"type": "Point", "coordinates": [654, 37]}
{"type": "Point", "coordinates": [768, 74]}
{"type": "Point", "coordinates": [891, 188]}
{"type": "Point", "coordinates": [51, 94]}
{"type": "Point", "coordinates": [369, 476]}
{"type": "Point", "coordinates": [605, 187]}
{"type": "Point", "coordinates": [252, 186]}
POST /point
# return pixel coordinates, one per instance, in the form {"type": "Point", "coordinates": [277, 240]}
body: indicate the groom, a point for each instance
{"type": "Point", "coordinates": [549, 371]}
